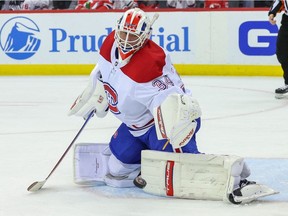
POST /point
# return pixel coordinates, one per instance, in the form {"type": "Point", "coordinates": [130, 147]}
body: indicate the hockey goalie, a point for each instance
{"type": "Point", "coordinates": [155, 146]}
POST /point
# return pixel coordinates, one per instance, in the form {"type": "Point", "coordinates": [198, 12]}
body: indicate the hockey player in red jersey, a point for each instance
{"type": "Point", "coordinates": [136, 80]}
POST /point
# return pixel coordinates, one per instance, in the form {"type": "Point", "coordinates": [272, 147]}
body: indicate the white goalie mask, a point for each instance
{"type": "Point", "coordinates": [132, 31]}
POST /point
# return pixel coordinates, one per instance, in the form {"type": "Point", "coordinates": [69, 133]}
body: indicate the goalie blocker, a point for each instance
{"type": "Point", "coordinates": [180, 127]}
{"type": "Point", "coordinates": [189, 176]}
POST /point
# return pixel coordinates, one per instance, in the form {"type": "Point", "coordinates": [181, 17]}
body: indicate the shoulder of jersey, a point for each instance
{"type": "Point", "coordinates": [146, 64]}
{"type": "Point", "coordinates": [105, 50]}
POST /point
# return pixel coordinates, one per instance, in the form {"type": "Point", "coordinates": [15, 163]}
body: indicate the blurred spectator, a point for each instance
{"type": "Point", "coordinates": [61, 4]}
{"type": "Point", "coordinates": [149, 4]}
{"type": "Point", "coordinates": [124, 4]}
{"type": "Point", "coordinates": [248, 4]}
{"type": "Point", "coordinates": [81, 5]}
{"type": "Point", "coordinates": [244, 3]}
{"type": "Point", "coordinates": [73, 4]}
{"type": "Point", "coordinates": [106, 4]}
{"type": "Point", "coordinates": [11, 5]}
{"type": "Point", "coordinates": [162, 4]}
{"type": "Point", "coordinates": [2, 2]}
{"type": "Point", "coordinates": [263, 3]}
{"type": "Point", "coordinates": [180, 3]}
{"type": "Point", "coordinates": [94, 4]}
{"type": "Point", "coordinates": [36, 5]}
{"type": "Point", "coordinates": [216, 4]}
{"type": "Point", "coordinates": [199, 3]}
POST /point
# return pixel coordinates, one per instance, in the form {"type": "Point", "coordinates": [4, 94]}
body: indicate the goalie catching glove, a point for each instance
{"type": "Point", "coordinates": [175, 119]}
{"type": "Point", "coordinates": [92, 98]}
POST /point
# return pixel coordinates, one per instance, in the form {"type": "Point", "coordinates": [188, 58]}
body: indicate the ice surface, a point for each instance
{"type": "Point", "coordinates": [240, 116]}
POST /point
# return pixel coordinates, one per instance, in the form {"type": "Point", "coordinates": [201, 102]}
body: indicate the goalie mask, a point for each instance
{"type": "Point", "coordinates": [132, 31]}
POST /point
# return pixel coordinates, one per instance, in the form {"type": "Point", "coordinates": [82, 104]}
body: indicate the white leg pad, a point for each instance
{"type": "Point", "coordinates": [191, 176]}
{"type": "Point", "coordinates": [93, 162]}
{"type": "Point", "coordinates": [90, 162]}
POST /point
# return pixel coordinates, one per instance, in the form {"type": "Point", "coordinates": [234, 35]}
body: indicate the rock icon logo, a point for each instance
{"type": "Point", "coordinates": [19, 38]}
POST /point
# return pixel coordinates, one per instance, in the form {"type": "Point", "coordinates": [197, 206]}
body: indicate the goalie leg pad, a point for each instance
{"type": "Point", "coordinates": [90, 162]}
{"type": "Point", "coordinates": [192, 176]}
{"type": "Point", "coordinates": [93, 162]}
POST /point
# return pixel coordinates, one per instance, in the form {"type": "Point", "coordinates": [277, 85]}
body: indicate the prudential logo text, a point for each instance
{"type": "Point", "coordinates": [19, 38]}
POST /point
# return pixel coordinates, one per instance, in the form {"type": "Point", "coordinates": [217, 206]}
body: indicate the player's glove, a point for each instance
{"type": "Point", "coordinates": [92, 98]}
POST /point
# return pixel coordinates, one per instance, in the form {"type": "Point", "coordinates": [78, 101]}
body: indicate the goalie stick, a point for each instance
{"type": "Point", "coordinates": [36, 186]}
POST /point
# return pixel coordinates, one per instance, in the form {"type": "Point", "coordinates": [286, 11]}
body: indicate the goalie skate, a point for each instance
{"type": "Point", "coordinates": [249, 193]}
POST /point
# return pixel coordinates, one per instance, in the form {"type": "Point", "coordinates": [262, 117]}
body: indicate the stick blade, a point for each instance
{"type": "Point", "coordinates": [36, 186]}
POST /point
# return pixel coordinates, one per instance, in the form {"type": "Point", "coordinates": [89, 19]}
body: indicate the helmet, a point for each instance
{"type": "Point", "coordinates": [132, 31]}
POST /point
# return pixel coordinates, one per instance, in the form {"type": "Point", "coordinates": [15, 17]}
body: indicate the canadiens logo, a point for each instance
{"type": "Point", "coordinates": [112, 98]}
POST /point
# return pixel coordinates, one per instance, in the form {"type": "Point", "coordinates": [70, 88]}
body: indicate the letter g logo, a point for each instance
{"type": "Point", "coordinates": [266, 44]}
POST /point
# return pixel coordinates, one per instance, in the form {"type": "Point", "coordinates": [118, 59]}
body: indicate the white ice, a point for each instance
{"type": "Point", "coordinates": [240, 116]}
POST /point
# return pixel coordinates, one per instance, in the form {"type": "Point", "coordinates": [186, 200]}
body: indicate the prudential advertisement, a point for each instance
{"type": "Point", "coordinates": [200, 37]}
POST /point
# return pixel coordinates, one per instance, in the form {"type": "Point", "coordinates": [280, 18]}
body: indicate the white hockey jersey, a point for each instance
{"type": "Point", "coordinates": [36, 4]}
{"type": "Point", "coordinates": [135, 88]}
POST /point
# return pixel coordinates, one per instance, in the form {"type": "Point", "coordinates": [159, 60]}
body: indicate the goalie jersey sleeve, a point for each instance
{"type": "Point", "coordinates": [133, 89]}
